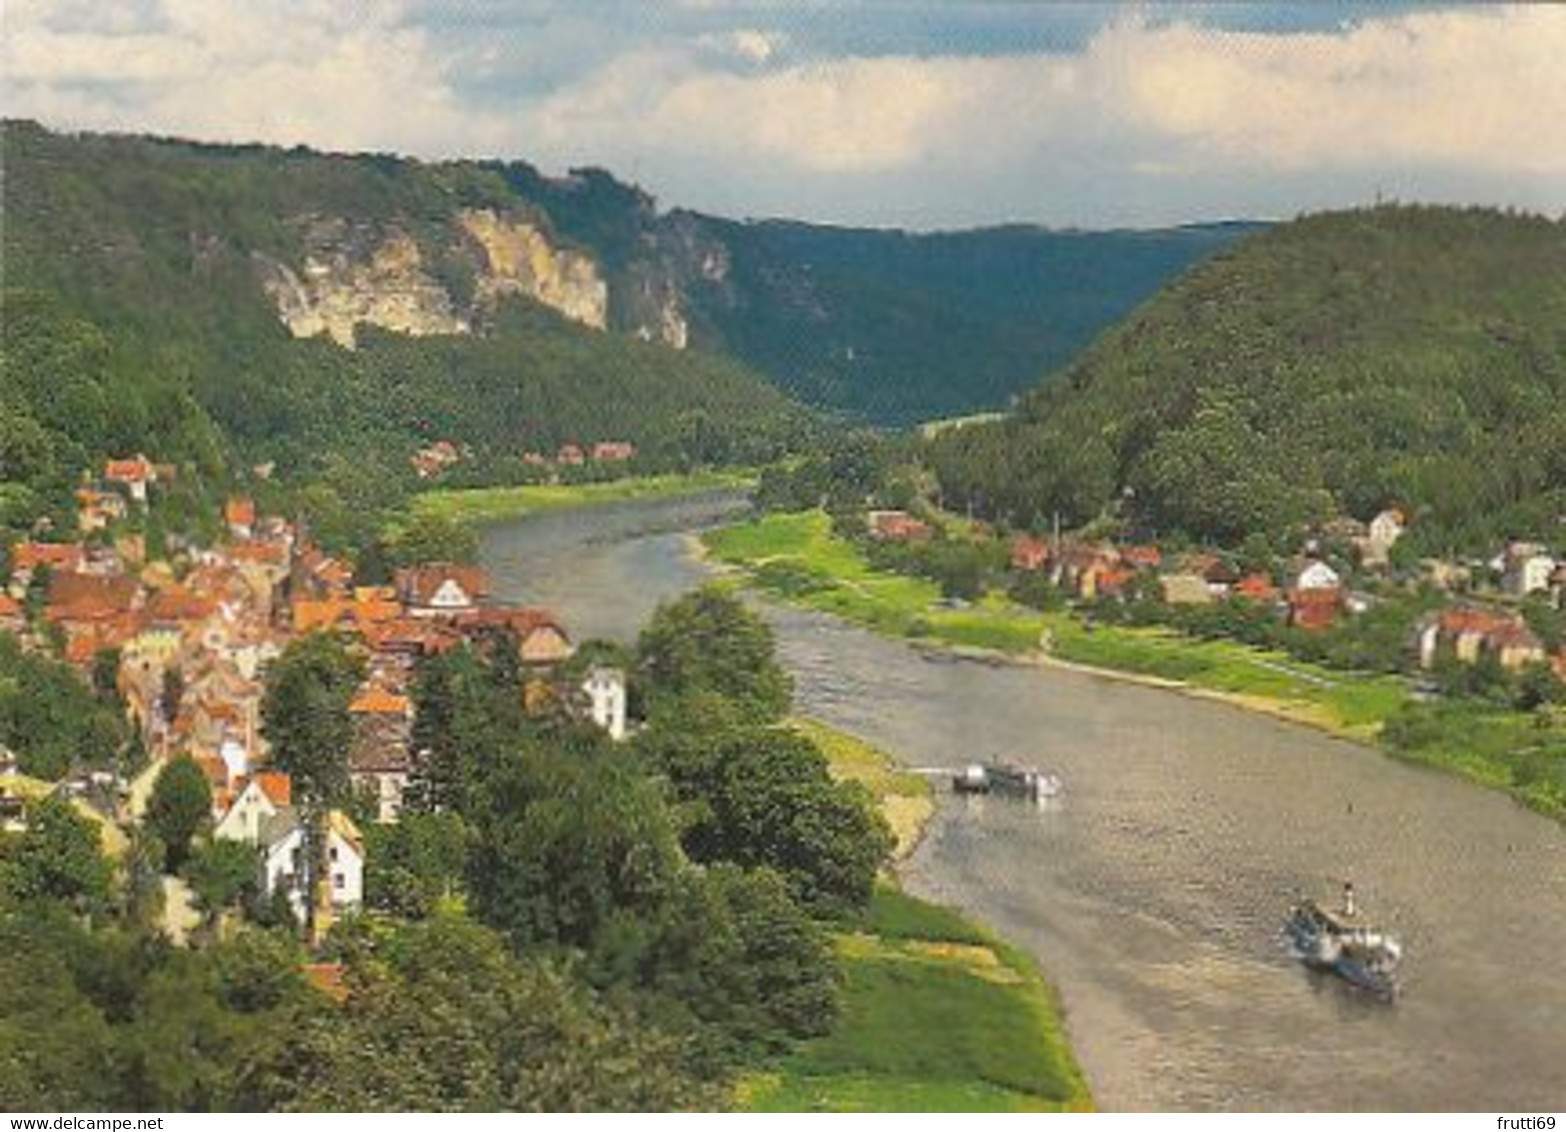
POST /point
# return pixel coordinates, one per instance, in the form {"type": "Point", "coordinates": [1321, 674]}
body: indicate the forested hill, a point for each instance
{"type": "Point", "coordinates": [219, 307]}
{"type": "Point", "coordinates": [876, 325]}
{"type": "Point", "coordinates": [897, 328]}
{"type": "Point", "coordinates": [1341, 363]}
{"type": "Point", "coordinates": [882, 326]}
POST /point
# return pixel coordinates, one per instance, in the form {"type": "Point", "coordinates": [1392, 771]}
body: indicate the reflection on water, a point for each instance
{"type": "Point", "coordinates": [1154, 892]}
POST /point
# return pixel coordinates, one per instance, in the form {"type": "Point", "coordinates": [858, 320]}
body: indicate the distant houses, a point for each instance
{"type": "Point", "coordinates": [897, 526]}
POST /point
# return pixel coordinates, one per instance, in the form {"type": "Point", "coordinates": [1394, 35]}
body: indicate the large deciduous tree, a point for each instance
{"type": "Point", "coordinates": [181, 801]}
{"type": "Point", "coordinates": [305, 718]}
{"type": "Point", "coordinates": [708, 642]}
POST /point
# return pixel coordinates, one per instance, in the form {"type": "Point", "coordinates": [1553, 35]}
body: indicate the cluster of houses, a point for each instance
{"type": "Point", "coordinates": [193, 648]}
{"type": "Point", "coordinates": [434, 459]}
{"type": "Point", "coordinates": [1313, 597]}
{"type": "Point", "coordinates": [578, 455]}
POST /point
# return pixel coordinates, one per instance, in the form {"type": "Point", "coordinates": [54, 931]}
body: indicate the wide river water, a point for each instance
{"type": "Point", "coordinates": [1153, 892]}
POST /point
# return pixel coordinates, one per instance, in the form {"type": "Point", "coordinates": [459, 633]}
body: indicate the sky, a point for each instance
{"type": "Point", "coordinates": [910, 113]}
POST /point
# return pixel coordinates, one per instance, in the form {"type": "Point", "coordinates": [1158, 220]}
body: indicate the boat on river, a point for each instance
{"type": "Point", "coordinates": [1335, 941]}
{"type": "Point", "coordinates": [1007, 779]}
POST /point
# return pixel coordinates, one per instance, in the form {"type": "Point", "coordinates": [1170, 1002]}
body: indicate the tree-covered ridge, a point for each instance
{"type": "Point", "coordinates": [135, 320]}
{"type": "Point", "coordinates": [1407, 356]}
{"type": "Point", "coordinates": [892, 327]}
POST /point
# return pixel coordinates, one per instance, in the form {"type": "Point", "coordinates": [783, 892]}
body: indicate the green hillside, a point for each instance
{"type": "Point", "coordinates": [1335, 365]}
{"type": "Point", "coordinates": [878, 325]}
{"type": "Point", "coordinates": [135, 318]}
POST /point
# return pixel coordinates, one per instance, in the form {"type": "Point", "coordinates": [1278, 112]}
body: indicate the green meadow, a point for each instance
{"type": "Point", "coordinates": [489, 504]}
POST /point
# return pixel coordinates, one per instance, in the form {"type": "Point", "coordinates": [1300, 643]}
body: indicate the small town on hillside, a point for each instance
{"type": "Point", "coordinates": [189, 645]}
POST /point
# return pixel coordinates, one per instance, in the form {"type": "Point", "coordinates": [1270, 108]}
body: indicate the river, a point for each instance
{"type": "Point", "coordinates": [1152, 894]}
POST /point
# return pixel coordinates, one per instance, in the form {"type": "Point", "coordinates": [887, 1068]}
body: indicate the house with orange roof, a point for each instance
{"type": "Point", "coordinates": [346, 614]}
{"type": "Point", "coordinates": [107, 610]}
{"type": "Point", "coordinates": [1460, 631]}
{"type": "Point", "coordinates": [380, 756]}
{"type": "Point", "coordinates": [1029, 554]}
{"type": "Point", "coordinates": [1256, 588]}
{"type": "Point", "coordinates": [1314, 608]}
{"type": "Point", "coordinates": [541, 639]}
{"type": "Point", "coordinates": [613, 451]}
{"type": "Point", "coordinates": [897, 526]}
{"type": "Point", "coordinates": [239, 513]}
{"type": "Point", "coordinates": [134, 474]}
{"type": "Point", "coordinates": [441, 589]}
{"type": "Point", "coordinates": [1143, 557]}
{"type": "Point", "coordinates": [59, 557]}
{"type": "Point", "coordinates": [571, 455]}
{"type": "Point", "coordinates": [262, 796]}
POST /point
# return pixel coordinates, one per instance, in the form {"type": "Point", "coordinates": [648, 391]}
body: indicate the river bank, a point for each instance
{"type": "Point", "coordinates": [796, 558]}
{"type": "Point", "coordinates": [494, 504]}
{"type": "Point", "coordinates": [1152, 894]}
{"type": "Point", "coordinates": [938, 1014]}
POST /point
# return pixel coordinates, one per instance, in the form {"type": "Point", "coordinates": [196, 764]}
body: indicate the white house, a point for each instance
{"type": "Point", "coordinates": [1380, 536]}
{"type": "Point", "coordinates": [262, 798]}
{"type": "Point", "coordinates": [1317, 575]}
{"type": "Point", "coordinates": [605, 688]}
{"type": "Point", "coordinates": [284, 845]}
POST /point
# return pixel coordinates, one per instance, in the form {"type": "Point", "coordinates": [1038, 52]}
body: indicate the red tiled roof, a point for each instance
{"type": "Point", "coordinates": [1028, 553]}
{"type": "Point", "coordinates": [90, 597]}
{"type": "Point", "coordinates": [239, 511]}
{"type": "Point", "coordinates": [376, 700]}
{"type": "Point", "coordinates": [177, 604]}
{"type": "Point", "coordinates": [276, 785]}
{"type": "Point", "coordinates": [1467, 619]}
{"type": "Point", "coordinates": [250, 550]}
{"type": "Point", "coordinates": [1256, 587]}
{"type": "Point", "coordinates": [1113, 579]}
{"type": "Point", "coordinates": [1143, 557]}
{"type": "Point", "coordinates": [333, 612]}
{"type": "Point", "coordinates": [418, 585]}
{"type": "Point", "coordinates": [57, 555]}
{"type": "Point", "coordinates": [136, 469]}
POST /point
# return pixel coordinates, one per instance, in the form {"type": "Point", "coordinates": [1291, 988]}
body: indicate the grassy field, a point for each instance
{"type": "Point", "coordinates": [488, 504]}
{"type": "Point", "coordinates": [797, 558]}
{"type": "Point", "coordinates": [937, 1014]}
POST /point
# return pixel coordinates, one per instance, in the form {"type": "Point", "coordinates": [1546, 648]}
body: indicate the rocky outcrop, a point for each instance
{"type": "Point", "coordinates": [356, 274]}
{"type": "Point", "coordinates": [517, 259]}
{"type": "Point", "coordinates": [364, 273]}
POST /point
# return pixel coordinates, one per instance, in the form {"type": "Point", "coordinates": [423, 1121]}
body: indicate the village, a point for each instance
{"type": "Point", "coordinates": [187, 643]}
{"type": "Point", "coordinates": [1476, 612]}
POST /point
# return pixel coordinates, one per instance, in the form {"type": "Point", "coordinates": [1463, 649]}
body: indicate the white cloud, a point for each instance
{"type": "Point", "coordinates": [1148, 122]}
